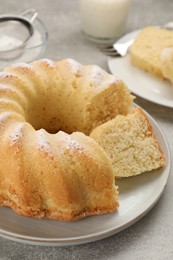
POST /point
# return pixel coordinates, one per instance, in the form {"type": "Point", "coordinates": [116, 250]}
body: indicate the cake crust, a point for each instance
{"type": "Point", "coordinates": [49, 167]}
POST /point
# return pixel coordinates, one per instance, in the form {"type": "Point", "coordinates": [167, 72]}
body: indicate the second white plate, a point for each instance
{"type": "Point", "coordinates": [140, 82]}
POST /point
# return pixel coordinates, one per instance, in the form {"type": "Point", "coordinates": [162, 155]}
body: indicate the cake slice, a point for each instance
{"type": "Point", "coordinates": [147, 48]}
{"type": "Point", "coordinates": [130, 143]}
{"type": "Point", "coordinates": [167, 63]}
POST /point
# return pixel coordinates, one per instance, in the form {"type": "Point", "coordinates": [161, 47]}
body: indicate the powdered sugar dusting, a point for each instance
{"type": "Point", "coordinates": [43, 142]}
{"type": "Point", "coordinates": [17, 133]}
{"type": "Point", "coordinates": [6, 77]}
{"type": "Point", "coordinates": [48, 62]}
{"type": "Point", "coordinates": [97, 73]}
{"type": "Point", "coordinates": [22, 65]}
{"type": "Point", "coordinates": [112, 80]}
{"type": "Point", "coordinates": [73, 65]}
{"type": "Point", "coordinates": [4, 87]}
{"type": "Point", "coordinates": [99, 76]}
{"type": "Point", "coordinates": [4, 117]}
{"type": "Point", "coordinates": [4, 74]}
{"type": "Point", "coordinates": [72, 146]}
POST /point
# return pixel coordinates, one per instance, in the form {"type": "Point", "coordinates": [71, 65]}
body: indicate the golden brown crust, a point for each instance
{"type": "Point", "coordinates": [73, 216]}
{"type": "Point", "coordinates": [56, 176]}
{"type": "Point", "coordinates": [152, 133]}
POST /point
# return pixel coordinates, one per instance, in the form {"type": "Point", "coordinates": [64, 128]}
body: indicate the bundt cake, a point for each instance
{"type": "Point", "coordinates": [147, 48]}
{"type": "Point", "coordinates": [45, 172]}
{"type": "Point", "coordinates": [130, 143]}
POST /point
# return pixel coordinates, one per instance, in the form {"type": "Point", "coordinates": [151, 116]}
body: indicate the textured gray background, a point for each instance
{"type": "Point", "coordinates": [152, 236]}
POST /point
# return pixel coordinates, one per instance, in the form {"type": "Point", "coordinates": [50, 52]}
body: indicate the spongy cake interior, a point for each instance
{"type": "Point", "coordinates": [130, 143]}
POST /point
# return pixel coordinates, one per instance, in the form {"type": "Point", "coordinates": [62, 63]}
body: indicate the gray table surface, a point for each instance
{"type": "Point", "coordinates": [152, 236]}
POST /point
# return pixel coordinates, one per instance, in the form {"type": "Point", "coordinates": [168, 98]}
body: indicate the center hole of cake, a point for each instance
{"type": "Point", "coordinates": [49, 117]}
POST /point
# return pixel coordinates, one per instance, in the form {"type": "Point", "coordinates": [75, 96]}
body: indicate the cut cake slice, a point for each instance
{"type": "Point", "coordinates": [147, 48]}
{"type": "Point", "coordinates": [130, 143]}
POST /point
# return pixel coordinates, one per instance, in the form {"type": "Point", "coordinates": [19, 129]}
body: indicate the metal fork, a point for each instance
{"type": "Point", "coordinates": [117, 49]}
{"type": "Point", "coordinates": [121, 49]}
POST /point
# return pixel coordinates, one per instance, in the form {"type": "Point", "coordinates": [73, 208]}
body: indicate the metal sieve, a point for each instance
{"type": "Point", "coordinates": [15, 31]}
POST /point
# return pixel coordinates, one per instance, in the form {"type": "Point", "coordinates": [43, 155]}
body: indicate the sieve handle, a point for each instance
{"type": "Point", "coordinates": [31, 14]}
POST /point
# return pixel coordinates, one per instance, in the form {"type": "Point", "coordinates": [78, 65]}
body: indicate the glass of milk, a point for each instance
{"type": "Point", "coordinates": [103, 21]}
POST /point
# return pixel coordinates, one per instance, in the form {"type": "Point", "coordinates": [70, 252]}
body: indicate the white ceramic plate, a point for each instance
{"type": "Point", "coordinates": [140, 82]}
{"type": "Point", "coordinates": [137, 196]}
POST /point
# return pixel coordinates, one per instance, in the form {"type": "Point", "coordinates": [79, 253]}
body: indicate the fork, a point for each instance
{"type": "Point", "coordinates": [117, 49]}
{"type": "Point", "coordinates": [121, 49]}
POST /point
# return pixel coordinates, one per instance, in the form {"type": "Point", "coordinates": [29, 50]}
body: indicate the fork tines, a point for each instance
{"type": "Point", "coordinates": [109, 51]}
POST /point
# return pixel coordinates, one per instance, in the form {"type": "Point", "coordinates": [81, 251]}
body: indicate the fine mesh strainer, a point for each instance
{"type": "Point", "coordinates": [15, 32]}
